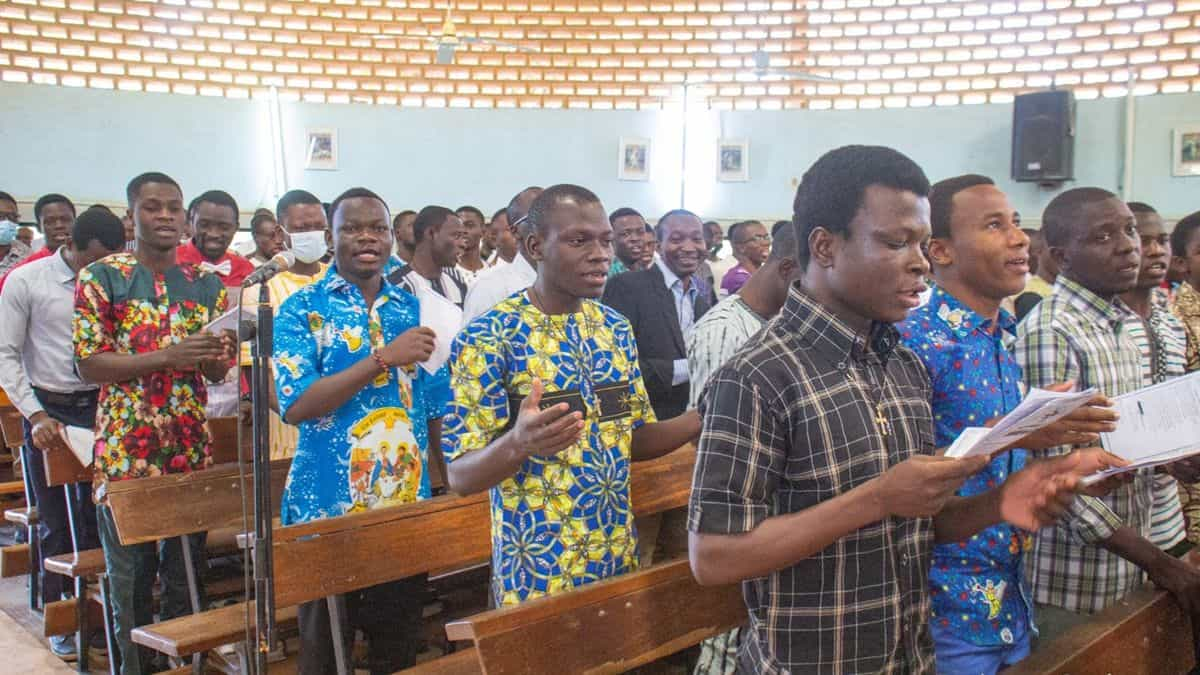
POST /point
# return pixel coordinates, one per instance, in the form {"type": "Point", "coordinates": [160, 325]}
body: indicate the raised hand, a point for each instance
{"type": "Point", "coordinates": [920, 485]}
{"type": "Point", "coordinates": [415, 344]}
{"type": "Point", "coordinates": [545, 433]}
{"type": "Point", "coordinates": [1041, 493]}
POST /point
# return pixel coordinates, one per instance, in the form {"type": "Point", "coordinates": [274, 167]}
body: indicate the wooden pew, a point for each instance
{"type": "Point", "coordinates": [1144, 634]}
{"type": "Point", "coordinates": [338, 555]}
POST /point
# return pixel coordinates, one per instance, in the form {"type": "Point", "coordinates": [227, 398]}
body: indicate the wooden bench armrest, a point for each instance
{"type": "Point", "coordinates": [87, 563]}
{"type": "Point", "coordinates": [608, 626]}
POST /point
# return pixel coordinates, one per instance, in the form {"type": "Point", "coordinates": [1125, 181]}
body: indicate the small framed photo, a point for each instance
{"type": "Point", "coordinates": [733, 160]}
{"type": "Point", "coordinates": [320, 149]}
{"type": "Point", "coordinates": [1185, 151]}
{"type": "Point", "coordinates": [633, 159]}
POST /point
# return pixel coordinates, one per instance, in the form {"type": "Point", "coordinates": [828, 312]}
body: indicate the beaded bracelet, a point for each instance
{"type": "Point", "coordinates": [383, 365]}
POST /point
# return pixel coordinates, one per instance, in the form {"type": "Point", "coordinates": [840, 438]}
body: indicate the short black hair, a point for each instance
{"type": "Point", "coordinates": [218, 197]}
{"type": "Point", "coordinates": [135, 186]}
{"type": "Point", "coordinates": [660, 230]}
{"type": "Point", "coordinates": [502, 210]}
{"type": "Point", "coordinates": [290, 199]}
{"type": "Point", "coordinates": [514, 205]}
{"type": "Point", "coordinates": [470, 209]}
{"type": "Point", "coordinates": [551, 197]}
{"type": "Point", "coordinates": [99, 206]}
{"type": "Point", "coordinates": [783, 241]}
{"type": "Point", "coordinates": [430, 217]}
{"type": "Point", "coordinates": [261, 216]}
{"type": "Point", "coordinates": [98, 223]}
{"type": "Point", "coordinates": [736, 228]}
{"type": "Point", "coordinates": [398, 216]}
{"type": "Point", "coordinates": [354, 193]}
{"type": "Point", "coordinates": [941, 200]}
{"type": "Point", "coordinates": [831, 190]}
{"type": "Point", "coordinates": [47, 200]}
{"type": "Point", "coordinates": [5, 197]}
{"type": "Point", "coordinates": [621, 213]}
{"type": "Point", "coordinates": [1184, 230]}
{"type": "Point", "coordinates": [1058, 218]}
{"type": "Point", "coordinates": [1141, 207]}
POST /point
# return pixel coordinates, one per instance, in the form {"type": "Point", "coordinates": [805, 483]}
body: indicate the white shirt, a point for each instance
{"type": "Point", "coordinates": [685, 311]}
{"type": "Point", "coordinates": [497, 283]}
{"type": "Point", "coordinates": [717, 336]}
{"type": "Point", "coordinates": [468, 276]}
{"type": "Point", "coordinates": [37, 348]}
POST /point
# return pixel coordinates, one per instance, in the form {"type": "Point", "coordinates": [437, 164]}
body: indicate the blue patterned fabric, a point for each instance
{"type": "Point", "coordinates": [977, 587]}
{"type": "Point", "coordinates": [567, 520]}
{"type": "Point", "coordinates": [373, 450]}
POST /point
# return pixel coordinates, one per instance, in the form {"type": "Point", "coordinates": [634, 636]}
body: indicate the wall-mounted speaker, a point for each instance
{"type": "Point", "coordinates": [1043, 137]}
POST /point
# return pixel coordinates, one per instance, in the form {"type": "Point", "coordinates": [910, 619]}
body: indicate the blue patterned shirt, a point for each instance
{"type": "Point", "coordinates": [977, 587]}
{"type": "Point", "coordinates": [567, 520]}
{"type": "Point", "coordinates": [373, 450]}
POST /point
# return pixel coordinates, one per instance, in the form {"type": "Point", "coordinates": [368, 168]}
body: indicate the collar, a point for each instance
{"type": "Point", "coordinates": [521, 266]}
{"type": "Point", "coordinates": [62, 271]}
{"type": "Point", "coordinates": [193, 255]}
{"type": "Point", "coordinates": [832, 337]}
{"type": "Point", "coordinates": [962, 320]}
{"type": "Point", "coordinates": [671, 278]}
{"type": "Point", "coordinates": [1088, 303]}
{"type": "Point", "coordinates": [334, 282]}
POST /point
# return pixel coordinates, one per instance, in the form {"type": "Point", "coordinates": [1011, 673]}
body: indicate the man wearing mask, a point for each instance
{"type": "Point", "coordinates": [12, 250]}
{"type": "Point", "coordinates": [55, 215]}
{"type": "Point", "coordinates": [306, 232]}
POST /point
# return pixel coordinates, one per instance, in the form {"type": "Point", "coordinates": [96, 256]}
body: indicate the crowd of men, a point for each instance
{"type": "Point", "coordinates": [818, 365]}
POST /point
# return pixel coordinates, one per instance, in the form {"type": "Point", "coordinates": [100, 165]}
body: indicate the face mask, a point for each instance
{"type": "Point", "coordinates": [8, 232]}
{"type": "Point", "coordinates": [308, 247]}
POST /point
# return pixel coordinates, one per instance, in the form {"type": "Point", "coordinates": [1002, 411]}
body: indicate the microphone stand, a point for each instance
{"type": "Point", "coordinates": [260, 394]}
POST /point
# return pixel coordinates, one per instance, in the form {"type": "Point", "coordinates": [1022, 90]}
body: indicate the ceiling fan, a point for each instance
{"type": "Point", "coordinates": [763, 70]}
{"type": "Point", "coordinates": [449, 40]}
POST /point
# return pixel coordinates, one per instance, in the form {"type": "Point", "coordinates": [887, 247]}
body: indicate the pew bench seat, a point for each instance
{"type": "Point", "coordinates": [87, 563]}
{"type": "Point", "coordinates": [12, 488]}
{"type": "Point", "coordinates": [462, 662]}
{"type": "Point", "coordinates": [207, 630]}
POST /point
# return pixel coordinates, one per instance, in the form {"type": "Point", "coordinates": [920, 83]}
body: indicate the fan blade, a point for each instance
{"type": "Point", "coordinates": [445, 54]}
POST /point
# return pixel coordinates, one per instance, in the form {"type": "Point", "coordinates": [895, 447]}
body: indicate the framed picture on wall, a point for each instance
{"type": "Point", "coordinates": [1185, 151]}
{"type": "Point", "coordinates": [633, 159]}
{"type": "Point", "coordinates": [733, 160]}
{"type": "Point", "coordinates": [320, 149]}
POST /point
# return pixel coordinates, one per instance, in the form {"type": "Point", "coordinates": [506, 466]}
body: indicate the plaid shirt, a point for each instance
{"type": "Point", "coordinates": [790, 421]}
{"type": "Point", "coordinates": [1075, 334]}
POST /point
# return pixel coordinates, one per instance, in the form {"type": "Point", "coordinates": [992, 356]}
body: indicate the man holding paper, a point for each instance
{"type": "Point", "coordinates": [1100, 551]}
{"type": "Point", "coordinates": [37, 370]}
{"type": "Point", "coordinates": [981, 620]}
{"type": "Point", "coordinates": [348, 356]}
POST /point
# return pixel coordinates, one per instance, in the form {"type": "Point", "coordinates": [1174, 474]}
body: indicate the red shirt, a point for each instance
{"type": "Point", "coordinates": [42, 252]}
{"type": "Point", "coordinates": [239, 267]}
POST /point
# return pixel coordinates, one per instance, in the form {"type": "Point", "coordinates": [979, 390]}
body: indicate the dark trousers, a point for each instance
{"type": "Point", "coordinates": [131, 572]}
{"type": "Point", "coordinates": [54, 524]}
{"type": "Point", "coordinates": [388, 614]}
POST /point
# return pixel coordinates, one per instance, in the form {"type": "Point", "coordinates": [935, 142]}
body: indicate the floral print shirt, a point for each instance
{"type": "Point", "coordinates": [977, 587]}
{"type": "Point", "coordinates": [154, 424]}
{"type": "Point", "coordinates": [567, 520]}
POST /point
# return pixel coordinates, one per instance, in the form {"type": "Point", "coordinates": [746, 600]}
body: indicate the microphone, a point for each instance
{"type": "Point", "coordinates": [279, 263]}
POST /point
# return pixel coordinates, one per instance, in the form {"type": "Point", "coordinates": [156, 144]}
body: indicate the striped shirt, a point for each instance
{"type": "Point", "coordinates": [716, 337]}
{"type": "Point", "coordinates": [1163, 346]}
{"type": "Point", "coordinates": [1074, 334]}
{"type": "Point", "coordinates": [282, 286]}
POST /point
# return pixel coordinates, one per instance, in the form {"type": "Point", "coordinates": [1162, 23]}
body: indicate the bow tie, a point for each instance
{"type": "Point", "coordinates": [223, 268]}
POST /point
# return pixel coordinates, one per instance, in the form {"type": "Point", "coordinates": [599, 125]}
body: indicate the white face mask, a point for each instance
{"type": "Point", "coordinates": [8, 232]}
{"type": "Point", "coordinates": [308, 247]}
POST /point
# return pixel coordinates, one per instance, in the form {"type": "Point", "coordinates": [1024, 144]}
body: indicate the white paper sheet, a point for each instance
{"type": "Point", "coordinates": [1159, 424]}
{"type": "Point", "coordinates": [444, 318]}
{"type": "Point", "coordinates": [227, 321]}
{"type": "Point", "coordinates": [1038, 409]}
{"type": "Point", "coordinates": [81, 441]}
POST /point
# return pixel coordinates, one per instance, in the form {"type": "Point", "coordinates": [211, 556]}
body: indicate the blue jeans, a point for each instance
{"type": "Point", "coordinates": [131, 572]}
{"type": "Point", "coordinates": [956, 656]}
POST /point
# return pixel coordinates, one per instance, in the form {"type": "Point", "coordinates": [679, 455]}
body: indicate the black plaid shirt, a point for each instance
{"type": "Point", "coordinates": [789, 422]}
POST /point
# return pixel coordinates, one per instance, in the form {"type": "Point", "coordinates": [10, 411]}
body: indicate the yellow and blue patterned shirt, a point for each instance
{"type": "Point", "coordinates": [563, 521]}
{"type": "Point", "coordinates": [372, 451]}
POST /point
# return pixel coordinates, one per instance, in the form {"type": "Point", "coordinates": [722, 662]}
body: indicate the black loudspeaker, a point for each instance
{"type": "Point", "coordinates": [1043, 137]}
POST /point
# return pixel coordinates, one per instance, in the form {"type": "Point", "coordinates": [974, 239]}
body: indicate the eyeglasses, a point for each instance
{"type": "Point", "coordinates": [518, 221]}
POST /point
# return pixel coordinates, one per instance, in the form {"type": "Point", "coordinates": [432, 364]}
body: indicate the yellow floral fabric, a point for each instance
{"type": "Point", "coordinates": [566, 520]}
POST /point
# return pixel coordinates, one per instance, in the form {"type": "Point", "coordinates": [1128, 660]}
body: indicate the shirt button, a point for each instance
{"type": "Point", "coordinates": [903, 559]}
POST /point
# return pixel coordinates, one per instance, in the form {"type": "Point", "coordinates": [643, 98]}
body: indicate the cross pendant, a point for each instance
{"type": "Point", "coordinates": [881, 421]}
